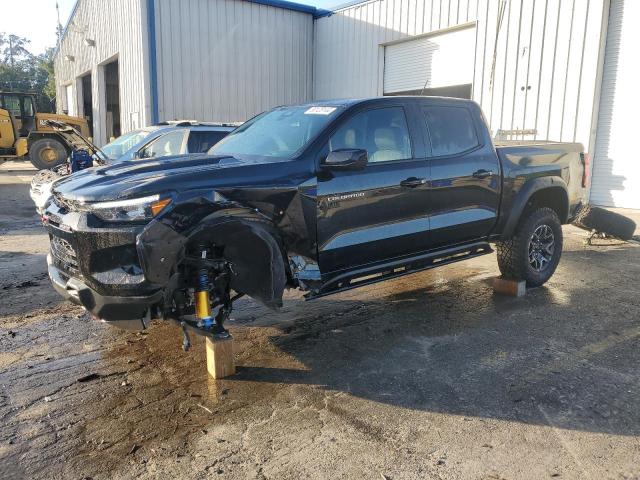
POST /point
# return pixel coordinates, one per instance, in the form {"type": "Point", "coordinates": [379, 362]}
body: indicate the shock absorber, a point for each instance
{"type": "Point", "coordinates": [203, 304]}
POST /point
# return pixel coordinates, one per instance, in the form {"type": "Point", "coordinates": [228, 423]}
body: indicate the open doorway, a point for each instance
{"type": "Point", "coordinates": [112, 99]}
{"type": "Point", "coordinates": [87, 100]}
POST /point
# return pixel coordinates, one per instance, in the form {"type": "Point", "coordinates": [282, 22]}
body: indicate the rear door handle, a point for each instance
{"type": "Point", "coordinates": [413, 182]}
{"type": "Point", "coordinates": [482, 173]}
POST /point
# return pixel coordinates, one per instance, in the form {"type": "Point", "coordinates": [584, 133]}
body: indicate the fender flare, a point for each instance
{"type": "Point", "coordinates": [521, 199]}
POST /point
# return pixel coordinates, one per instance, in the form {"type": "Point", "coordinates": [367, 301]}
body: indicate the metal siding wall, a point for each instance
{"type": "Point", "coordinates": [118, 28]}
{"type": "Point", "coordinates": [347, 43]}
{"type": "Point", "coordinates": [228, 60]}
{"type": "Point", "coordinates": [550, 46]}
{"type": "Point", "coordinates": [616, 169]}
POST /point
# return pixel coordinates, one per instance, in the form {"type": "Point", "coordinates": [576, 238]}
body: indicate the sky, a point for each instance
{"type": "Point", "coordinates": [36, 19]}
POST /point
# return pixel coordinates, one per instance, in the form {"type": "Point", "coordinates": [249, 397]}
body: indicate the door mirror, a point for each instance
{"type": "Point", "coordinates": [346, 159]}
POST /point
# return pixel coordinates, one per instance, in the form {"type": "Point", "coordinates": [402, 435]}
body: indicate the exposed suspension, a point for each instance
{"type": "Point", "coordinates": [203, 302]}
{"type": "Point", "coordinates": [210, 283]}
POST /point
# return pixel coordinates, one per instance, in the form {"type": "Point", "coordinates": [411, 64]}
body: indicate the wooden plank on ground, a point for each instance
{"type": "Point", "coordinates": [220, 363]}
{"type": "Point", "coordinates": [505, 286]}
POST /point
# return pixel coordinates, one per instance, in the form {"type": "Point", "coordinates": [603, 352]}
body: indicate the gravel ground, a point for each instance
{"type": "Point", "coordinates": [428, 376]}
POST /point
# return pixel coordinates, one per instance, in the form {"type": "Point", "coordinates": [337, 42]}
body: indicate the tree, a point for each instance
{"type": "Point", "coordinates": [23, 72]}
{"type": "Point", "coordinates": [46, 64]}
{"type": "Point", "coordinates": [14, 48]}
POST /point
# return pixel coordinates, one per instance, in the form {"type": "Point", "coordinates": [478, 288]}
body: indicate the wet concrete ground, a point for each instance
{"type": "Point", "coordinates": [428, 376]}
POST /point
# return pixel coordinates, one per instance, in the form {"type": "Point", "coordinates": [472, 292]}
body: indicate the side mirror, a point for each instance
{"type": "Point", "coordinates": [346, 159]}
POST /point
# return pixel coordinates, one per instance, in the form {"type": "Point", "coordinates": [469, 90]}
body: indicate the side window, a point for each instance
{"type": "Point", "coordinates": [27, 106]}
{"type": "Point", "coordinates": [201, 141]}
{"type": "Point", "coordinates": [165, 145]}
{"type": "Point", "coordinates": [12, 103]}
{"type": "Point", "coordinates": [382, 132]}
{"type": "Point", "coordinates": [451, 130]}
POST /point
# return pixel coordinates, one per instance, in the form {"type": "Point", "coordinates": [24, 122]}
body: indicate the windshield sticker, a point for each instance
{"type": "Point", "coordinates": [320, 111]}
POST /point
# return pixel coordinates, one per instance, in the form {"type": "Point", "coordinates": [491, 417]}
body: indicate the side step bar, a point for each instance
{"type": "Point", "coordinates": [398, 268]}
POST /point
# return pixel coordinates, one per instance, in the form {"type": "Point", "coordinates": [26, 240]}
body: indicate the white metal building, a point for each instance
{"type": "Point", "coordinates": [130, 63]}
{"type": "Point", "coordinates": [540, 69]}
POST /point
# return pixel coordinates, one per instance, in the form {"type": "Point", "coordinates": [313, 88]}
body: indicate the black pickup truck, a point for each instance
{"type": "Point", "coordinates": [322, 197]}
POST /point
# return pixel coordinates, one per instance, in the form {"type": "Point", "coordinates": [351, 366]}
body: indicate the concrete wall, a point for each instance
{"type": "Point", "coordinates": [228, 60]}
{"type": "Point", "coordinates": [538, 70]}
{"type": "Point", "coordinates": [118, 28]}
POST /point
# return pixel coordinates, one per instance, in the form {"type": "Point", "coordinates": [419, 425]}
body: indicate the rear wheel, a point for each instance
{"type": "Point", "coordinates": [47, 153]}
{"type": "Point", "coordinates": [533, 253]}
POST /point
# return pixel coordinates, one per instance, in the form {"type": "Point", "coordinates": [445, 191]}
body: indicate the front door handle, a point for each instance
{"type": "Point", "coordinates": [413, 182]}
{"type": "Point", "coordinates": [482, 173]}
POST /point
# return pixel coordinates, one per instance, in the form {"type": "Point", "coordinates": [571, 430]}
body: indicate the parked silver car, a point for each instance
{"type": "Point", "coordinates": [167, 138]}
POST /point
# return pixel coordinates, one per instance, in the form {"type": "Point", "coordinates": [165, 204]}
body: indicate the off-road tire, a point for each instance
{"type": "Point", "coordinates": [604, 221]}
{"type": "Point", "coordinates": [513, 254]}
{"type": "Point", "coordinates": [47, 153]}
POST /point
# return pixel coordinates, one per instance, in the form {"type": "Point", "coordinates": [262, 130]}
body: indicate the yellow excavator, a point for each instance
{"type": "Point", "coordinates": [25, 133]}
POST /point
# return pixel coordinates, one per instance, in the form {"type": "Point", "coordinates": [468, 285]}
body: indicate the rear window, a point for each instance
{"type": "Point", "coordinates": [451, 130]}
{"type": "Point", "coordinates": [201, 141]}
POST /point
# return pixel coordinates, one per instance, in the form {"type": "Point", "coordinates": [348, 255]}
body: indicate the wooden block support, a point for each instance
{"type": "Point", "coordinates": [512, 288]}
{"type": "Point", "coordinates": [220, 362]}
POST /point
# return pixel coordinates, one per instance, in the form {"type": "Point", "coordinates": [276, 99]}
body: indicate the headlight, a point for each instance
{"type": "Point", "coordinates": [135, 209]}
{"type": "Point", "coordinates": [43, 195]}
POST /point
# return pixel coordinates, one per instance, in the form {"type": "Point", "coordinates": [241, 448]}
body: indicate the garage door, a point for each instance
{"type": "Point", "coordinates": [616, 166]}
{"type": "Point", "coordinates": [439, 62]}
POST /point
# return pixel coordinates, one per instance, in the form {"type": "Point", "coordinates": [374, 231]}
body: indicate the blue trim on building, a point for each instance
{"type": "Point", "coordinates": [153, 60]}
{"type": "Point", "coordinates": [298, 7]}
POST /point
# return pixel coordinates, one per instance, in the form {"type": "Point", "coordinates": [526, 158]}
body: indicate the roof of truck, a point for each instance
{"type": "Point", "coordinates": [347, 102]}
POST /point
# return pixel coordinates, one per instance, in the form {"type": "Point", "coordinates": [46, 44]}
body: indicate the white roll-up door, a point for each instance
{"type": "Point", "coordinates": [616, 166]}
{"type": "Point", "coordinates": [434, 61]}
{"type": "Point", "coordinates": [70, 103]}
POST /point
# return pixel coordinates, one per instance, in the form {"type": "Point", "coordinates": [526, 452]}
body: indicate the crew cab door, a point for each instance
{"type": "Point", "coordinates": [380, 212]}
{"type": "Point", "coordinates": [465, 174]}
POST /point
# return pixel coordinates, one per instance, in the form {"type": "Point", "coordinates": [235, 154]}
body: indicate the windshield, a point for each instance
{"type": "Point", "coordinates": [124, 143]}
{"type": "Point", "coordinates": [279, 134]}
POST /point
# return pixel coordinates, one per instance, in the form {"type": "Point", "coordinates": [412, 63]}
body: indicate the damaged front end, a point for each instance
{"type": "Point", "coordinates": [189, 264]}
{"type": "Point", "coordinates": [207, 255]}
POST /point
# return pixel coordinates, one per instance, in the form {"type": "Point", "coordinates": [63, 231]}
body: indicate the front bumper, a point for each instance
{"type": "Point", "coordinates": [97, 266]}
{"type": "Point", "coordinates": [117, 309]}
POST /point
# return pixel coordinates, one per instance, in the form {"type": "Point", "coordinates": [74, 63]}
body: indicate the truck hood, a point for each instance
{"type": "Point", "coordinates": [138, 178]}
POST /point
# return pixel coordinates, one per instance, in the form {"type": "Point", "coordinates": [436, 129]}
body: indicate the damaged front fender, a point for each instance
{"type": "Point", "coordinates": [159, 247]}
{"type": "Point", "coordinates": [247, 241]}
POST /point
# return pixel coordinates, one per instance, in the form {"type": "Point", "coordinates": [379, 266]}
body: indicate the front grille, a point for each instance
{"type": "Point", "coordinates": [63, 251]}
